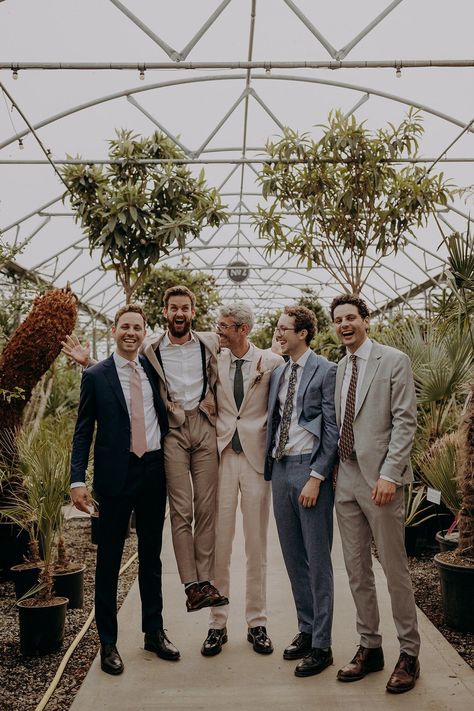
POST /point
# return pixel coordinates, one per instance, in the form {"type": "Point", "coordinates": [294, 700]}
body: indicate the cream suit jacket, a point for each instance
{"type": "Point", "coordinates": [251, 419]}
{"type": "Point", "coordinates": [385, 415]}
{"type": "Point", "coordinates": [208, 404]}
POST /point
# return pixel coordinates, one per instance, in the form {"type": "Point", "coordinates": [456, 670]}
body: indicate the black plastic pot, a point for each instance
{"type": "Point", "coordinates": [71, 585]}
{"type": "Point", "coordinates": [457, 593]}
{"type": "Point", "coordinates": [24, 578]}
{"type": "Point", "coordinates": [95, 528]}
{"type": "Point", "coordinates": [446, 544]}
{"type": "Point", "coordinates": [42, 628]}
{"type": "Point", "coordinates": [411, 539]}
{"type": "Point", "coordinates": [13, 546]}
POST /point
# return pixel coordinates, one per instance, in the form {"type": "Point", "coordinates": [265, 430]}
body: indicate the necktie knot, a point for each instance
{"type": "Point", "coordinates": [238, 363]}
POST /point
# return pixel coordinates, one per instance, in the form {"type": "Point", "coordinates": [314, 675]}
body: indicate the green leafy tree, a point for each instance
{"type": "Point", "coordinates": [151, 292]}
{"type": "Point", "coordinates": [342, 203]}
{"type": "Point", "coordinates": [135, 211]}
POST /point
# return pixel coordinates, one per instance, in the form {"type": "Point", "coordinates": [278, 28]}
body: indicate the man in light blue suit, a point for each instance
{"type": "Point", "coordinates": [302, 438]}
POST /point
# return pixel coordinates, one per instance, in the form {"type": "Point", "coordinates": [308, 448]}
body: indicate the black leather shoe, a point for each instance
{"type": "Point", "coordinates": [110, 661]}
{"type": "Point", "coordinates": [159, 643]}
{"type": "Point", "coordinates": [258, 638]}
{"type": "Point", "coordinates": [299, 647]}
{"type": "Point", "coordinates": [212, 645]}
{"type": "Point", "coordinates": [314, 662]}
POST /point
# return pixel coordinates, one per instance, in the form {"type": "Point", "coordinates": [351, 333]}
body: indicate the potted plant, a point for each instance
{"type": "Point", "coordinates": [417, 512]}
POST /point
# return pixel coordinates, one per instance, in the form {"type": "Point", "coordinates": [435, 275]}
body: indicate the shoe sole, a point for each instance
{"type": "Point", "coordinates": [216, 650]}
{"type": "Point", "coordinates": [262, 650]}
{"type": "Point", "coordinates": [299, 655]}
{"type": "Point", "coordinates": [302, 673]}
{"type": "Point", "coordinates": [207, 603]}
{"type": "Point", "coordinates": [162, 656]}
{"type": "Point", "coordinates": [112, 672]}
{"type": "Point", "coordinates": [358, 677]}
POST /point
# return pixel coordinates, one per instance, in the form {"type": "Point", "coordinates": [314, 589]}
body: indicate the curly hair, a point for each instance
{"type": "Point", "coordinates": [352, 299]}
{"type": "Point", "coordinates": [304, 318]}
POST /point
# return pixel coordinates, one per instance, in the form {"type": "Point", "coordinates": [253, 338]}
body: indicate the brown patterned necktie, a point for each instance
{"type": "Point", "coordinates": [346, 440]}
{"type": "Point", "coordinates": [137, 412]}
{"type": "Point", "coordinates": [287, 410]}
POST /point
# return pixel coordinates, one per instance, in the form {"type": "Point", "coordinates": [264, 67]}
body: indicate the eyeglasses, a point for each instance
{"type": "Point", "coordinates": [282, 330]}
{"type": "Point", "coordinates": [225, 327]}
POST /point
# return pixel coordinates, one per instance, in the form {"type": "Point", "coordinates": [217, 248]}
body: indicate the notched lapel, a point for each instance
{"type": "Point", "coordinates": [341, 369]}
{"type": "Point", "coordinates": [113, 378]}
{"type": "Point", "coordinates": [310, 368]}
{"type": "Point", "coordinates": [224, 375]}
{"type": "Point", "coordinates": [370, 370]}
{"type": "Point", "coordinates": [150, 353]}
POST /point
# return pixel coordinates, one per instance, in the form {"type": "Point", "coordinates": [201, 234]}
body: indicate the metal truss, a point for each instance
{"type": "Point", "coordinates": [274, 279]}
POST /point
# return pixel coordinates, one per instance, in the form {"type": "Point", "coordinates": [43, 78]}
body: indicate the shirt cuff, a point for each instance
{"type": "Point", "coordinates": [315, 475]}
{"type": "Point", "coordinates": [387, 478]}
{"type": "Point", "coordinates": [75, 484]}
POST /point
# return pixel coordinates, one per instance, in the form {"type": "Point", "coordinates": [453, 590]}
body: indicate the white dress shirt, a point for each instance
{"type": "Point", "coordinates": [300, 441]}
{"type": "Point", "coordinates": [152, 427]}
{"type": "Point", "coordinates": [182, 364]}
{"type": "Point", "coordinates": [362, 356]}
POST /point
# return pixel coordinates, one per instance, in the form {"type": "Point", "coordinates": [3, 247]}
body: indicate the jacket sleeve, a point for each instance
{"type": "Point", "coordinates": [324, 455]}
{"type": "Point", "coordinates": [84, 430]}
{"type": "Point", "coordinates": [403, 411]}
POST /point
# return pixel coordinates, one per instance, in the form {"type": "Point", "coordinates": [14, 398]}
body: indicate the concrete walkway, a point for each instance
{"type": "Point", "coordinates": [240, 680]}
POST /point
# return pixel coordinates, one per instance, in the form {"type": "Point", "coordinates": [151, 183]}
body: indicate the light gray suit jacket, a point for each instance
{"type": "Point", "coordinates": [385, 415]}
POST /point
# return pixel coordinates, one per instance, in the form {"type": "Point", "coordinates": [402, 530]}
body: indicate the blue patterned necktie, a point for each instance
{"type": "Point", "coordinates": [287, 411]}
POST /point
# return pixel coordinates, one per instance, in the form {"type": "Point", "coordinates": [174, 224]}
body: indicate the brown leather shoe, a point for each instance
{"type": "Point", "coordinates": [365, 661]}
{"type": "Point", "coordinates": [405, 674]}
{"type": "Point", "coordinates": [205, 595]}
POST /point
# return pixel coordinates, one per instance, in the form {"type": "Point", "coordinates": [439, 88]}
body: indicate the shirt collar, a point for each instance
{"type": "Point", "coordinates": [363, 351]}
{"type": "Point", "coordinates": [302, 359]}
{"type": "Point", "coordinates": [166, 343]}
{"type": "Point", "coordinates": [247, 356]}
{"type": "Point", "coordinates": [121, 362]}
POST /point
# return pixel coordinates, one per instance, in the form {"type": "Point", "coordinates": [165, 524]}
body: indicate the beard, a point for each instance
{"type": "Point", "coordinates": [179, 330]}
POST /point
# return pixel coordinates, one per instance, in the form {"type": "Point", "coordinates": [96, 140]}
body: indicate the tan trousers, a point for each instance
{"type": "Point", "coordinates": [359, 520]}
{"type": "Point", "coordinates": [191, 467]}
{"type": "Point", "coordinates": [236, 474]}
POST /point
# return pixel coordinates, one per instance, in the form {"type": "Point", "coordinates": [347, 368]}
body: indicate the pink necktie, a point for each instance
{"type": "Point", "coordinates": [137, 412]}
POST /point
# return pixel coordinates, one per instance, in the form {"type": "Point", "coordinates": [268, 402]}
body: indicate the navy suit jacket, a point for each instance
{"type": "Point", "coordinates": [315, 410]}
{"type": "Point", "coordinates": [102, 403]}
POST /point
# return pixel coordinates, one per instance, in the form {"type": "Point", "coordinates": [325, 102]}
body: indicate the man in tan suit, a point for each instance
{"type": "Point", "coordinates": [242, 391]}
{"type": "Point", "coordinates": [376, 410]}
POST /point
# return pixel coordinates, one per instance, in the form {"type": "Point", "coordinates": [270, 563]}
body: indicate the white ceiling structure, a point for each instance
{"type": "Point", "coordinates": [220, 78]}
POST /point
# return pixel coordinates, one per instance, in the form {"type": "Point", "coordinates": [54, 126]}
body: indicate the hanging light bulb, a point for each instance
{"type": "Point", "coordinates": [398, 73]}
{"type": "Point", "coordinates": [20, 144]}
{"type": "Point", "coordinates": [142, 74]}
{"type": "Point", "coordinates": [15, 74]}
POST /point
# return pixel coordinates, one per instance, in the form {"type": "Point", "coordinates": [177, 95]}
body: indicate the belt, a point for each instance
{"type": "Point", "coordinates": [294, 458]}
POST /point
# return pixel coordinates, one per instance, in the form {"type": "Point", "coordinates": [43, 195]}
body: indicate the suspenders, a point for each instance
{"type": "Point", "coordinates": [203, 364]}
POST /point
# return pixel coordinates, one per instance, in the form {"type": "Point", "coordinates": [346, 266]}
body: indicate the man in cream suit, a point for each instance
{"type": "Point", "coordinates": [301, 453]}
{"type": "Point", "coordinates": [376, 410]}
{"type": "Point", "coordinates": [242, 391]}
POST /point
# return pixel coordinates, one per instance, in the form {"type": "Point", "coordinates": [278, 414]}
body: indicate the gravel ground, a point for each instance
{"type": "Point", "coordinates": [24, 681]}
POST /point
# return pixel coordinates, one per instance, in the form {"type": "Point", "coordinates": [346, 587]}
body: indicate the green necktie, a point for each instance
{"type": "Point", "coordinates": [239, 396]}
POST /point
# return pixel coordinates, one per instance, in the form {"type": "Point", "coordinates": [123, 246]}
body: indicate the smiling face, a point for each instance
{"type": "Point", "coordinates": [351, 328]}
{"type": "Point", "coordinates": [129, 334]}
{"type": "Point", "coordinates": [179, 314]}
{"type": "Point", "coordinates": [292, 343]}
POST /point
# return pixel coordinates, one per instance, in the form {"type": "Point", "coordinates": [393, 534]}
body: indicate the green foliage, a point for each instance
{"type": "Point", "coordinates": [150, 294]}
{"type": "Point", "coordinates": [438, 467]}
{"type": "Point", "coordinates": [137, 212]}
{"type": "Point", "coordinates": [416, 512]}
{"type": "Point", "coordinates": [64, 395]}
{"type": "Point", "coordinates": [352, 204]}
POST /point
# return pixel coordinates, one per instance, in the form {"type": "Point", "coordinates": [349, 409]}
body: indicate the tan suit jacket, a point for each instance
{"type": "Point", "coordinates": [208, 404]}
{"type": "Point", "coordinates": [385, 415]}
{"type": "Point", "coordinates": [251, 418]}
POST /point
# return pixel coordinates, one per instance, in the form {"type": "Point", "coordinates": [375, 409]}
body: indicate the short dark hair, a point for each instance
{"type": "Point", "coordinates": [304, 318]}
{"type": "Point", "coordinates": [132, 308]}
{"type": "Point", "coordinates": [179, 290]}
{"type": "Point", "coordinates": [352, 299]}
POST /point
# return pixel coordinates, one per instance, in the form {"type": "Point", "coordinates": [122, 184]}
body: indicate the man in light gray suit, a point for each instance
{"type": "Point", "coordinates": [302, 439]}
{"type": "Point", "coordinates": [376, 410]}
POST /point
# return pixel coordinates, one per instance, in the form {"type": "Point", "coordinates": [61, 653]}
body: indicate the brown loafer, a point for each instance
{"type": "Point", "coordinates": [405, 674]}
{"type": "Point", "coordinates": [205, 595]}
{"type": "Point", "coordinates": [364, 662]}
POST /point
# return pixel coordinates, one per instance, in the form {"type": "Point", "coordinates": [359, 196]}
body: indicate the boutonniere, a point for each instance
{"type": "Point", "coordinates": [260, 372]}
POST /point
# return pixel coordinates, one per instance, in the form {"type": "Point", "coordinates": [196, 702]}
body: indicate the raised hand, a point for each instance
{"type": "Point", "coordinates": [73, 349]}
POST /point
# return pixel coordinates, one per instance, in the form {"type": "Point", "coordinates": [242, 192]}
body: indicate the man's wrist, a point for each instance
{"type": "Point", "coordinates": [316, 475]}
{"type": "Point", "coordinates": [77, 484]}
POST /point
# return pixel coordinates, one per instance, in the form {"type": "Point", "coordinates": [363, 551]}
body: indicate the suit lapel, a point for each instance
{"type": "Point", "coordinates": [113, 379]}
{"type": "Point", "coordinates": [309, 370]}
{"type": "Point", "coordinates": [275, 387]}
{"type": "Point", "coordinates": [257, 355]}
{"type": "Point", "coordinates": [370, 370]}
{"type": "Point", "coordinates": [224, 375]}
{"type": "Point", "coordinates": [150, 352]}
{"type": "Point", "coordinates": [341, 369]}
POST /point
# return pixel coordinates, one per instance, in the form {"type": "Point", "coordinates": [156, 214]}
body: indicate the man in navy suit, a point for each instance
{"type": "Point", "coordinates": [302, 438]}
{"type": "Point", "coordinates": [120, 399]}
